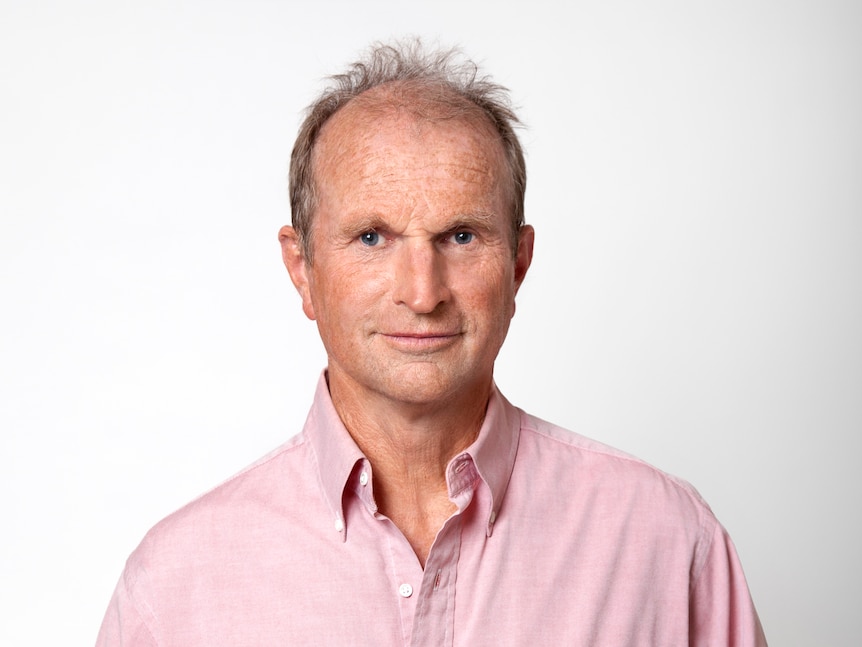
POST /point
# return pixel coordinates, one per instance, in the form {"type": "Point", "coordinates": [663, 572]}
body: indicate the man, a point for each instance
{"type": "Point", "coordinates": [417, 506]}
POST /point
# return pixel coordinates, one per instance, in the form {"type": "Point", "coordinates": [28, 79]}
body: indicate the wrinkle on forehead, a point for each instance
{"type": "Point", "coordinates": [364, 152]}
{"type": "Point", "coordinates": [425, 174]}
{"type": "Point", "coordinates": [416, 108]}
{"type": "Point", "coordinates": [465, 167]}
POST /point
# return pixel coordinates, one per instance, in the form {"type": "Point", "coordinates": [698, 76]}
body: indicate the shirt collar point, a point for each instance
{"type": "Point", "coordinates": [492, 518]}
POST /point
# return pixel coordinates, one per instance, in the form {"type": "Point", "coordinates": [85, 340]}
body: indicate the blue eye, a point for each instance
{"type": "Point", "coordinates": [462, 237]}
{"type": "Point", "coordinates": [370, 238]}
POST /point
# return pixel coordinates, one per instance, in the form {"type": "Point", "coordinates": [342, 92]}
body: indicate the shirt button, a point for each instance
{"type": "Point", "coordinates": [363, 478]}
{"type": "Point", "coordinates": [339, 525]}
{"type": "Point", "coordinates": [405, 590]}
{"type": "Point", "coordinates": [492, 517]}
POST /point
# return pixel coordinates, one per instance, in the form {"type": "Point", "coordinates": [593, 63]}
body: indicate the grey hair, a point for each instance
{"type": "Point", "coordinates": [434, 77]}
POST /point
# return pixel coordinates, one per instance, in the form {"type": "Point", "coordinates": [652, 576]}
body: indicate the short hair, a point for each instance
{"type": "Point", "coordinates": [433, 75]}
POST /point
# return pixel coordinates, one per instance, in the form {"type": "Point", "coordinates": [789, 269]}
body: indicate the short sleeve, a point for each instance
{"type": "Point", "coordinates": [124, 624]}
{"type": "Point", "coordinates": [722, 611]}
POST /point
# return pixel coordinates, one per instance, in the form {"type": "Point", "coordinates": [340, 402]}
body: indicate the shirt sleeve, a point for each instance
{"type": "Point", "coordinates": [722, 611]}
{"type": "Point", "coordinates": [124, 624]}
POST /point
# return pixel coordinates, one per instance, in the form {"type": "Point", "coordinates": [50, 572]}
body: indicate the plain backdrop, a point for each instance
{"type": "Point", "coordinates": [695, 181]}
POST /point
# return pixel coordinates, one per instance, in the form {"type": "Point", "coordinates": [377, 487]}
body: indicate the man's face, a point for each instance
{"type": "Point", "coordinates": [413, 280]}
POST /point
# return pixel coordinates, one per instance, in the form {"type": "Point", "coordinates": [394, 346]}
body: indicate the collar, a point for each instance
{"type": "Point", "coordinates": [339, 460]}
{"type": "Point", "coordinates": [492, 454]}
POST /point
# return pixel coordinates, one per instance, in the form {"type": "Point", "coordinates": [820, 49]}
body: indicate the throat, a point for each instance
{"type": "Point", "coordinates": [419, 525]}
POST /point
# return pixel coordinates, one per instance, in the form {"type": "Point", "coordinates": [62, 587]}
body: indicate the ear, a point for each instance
{"type": "Point", "coordinates": [297, 267]}
{"type": "Point", "coordinates": [524, 255]}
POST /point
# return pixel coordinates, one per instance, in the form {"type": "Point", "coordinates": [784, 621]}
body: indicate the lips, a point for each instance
{"type": "Point", "coordinates": [423, 335]}
{"type": "Point", "coordinates": [421, 342]}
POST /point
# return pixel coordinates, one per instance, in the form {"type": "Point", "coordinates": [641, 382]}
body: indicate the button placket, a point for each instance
{"type": "Point", "coordinates": [433, 623]}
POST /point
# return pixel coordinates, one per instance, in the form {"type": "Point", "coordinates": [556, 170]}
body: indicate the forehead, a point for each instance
{"type": "Point", "coordinates": [389, 136]}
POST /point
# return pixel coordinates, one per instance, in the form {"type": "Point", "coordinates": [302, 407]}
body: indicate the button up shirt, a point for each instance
{"type": "Point", "coordinates": [557, 540]}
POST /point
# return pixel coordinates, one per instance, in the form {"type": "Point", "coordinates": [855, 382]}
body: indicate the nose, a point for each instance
{"type": "Point", "coordinates": [420, 277]}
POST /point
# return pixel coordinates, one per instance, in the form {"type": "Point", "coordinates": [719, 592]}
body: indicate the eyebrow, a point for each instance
{"type": "Point", "coordinates": [479, 220]}
{"type": "Point", "coordinates": [362, 225]}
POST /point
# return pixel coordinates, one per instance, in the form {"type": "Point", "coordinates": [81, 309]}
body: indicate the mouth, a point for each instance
{"type": "Point", "coordinates": [424, 342]}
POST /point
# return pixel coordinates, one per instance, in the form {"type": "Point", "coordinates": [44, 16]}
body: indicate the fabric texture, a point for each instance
{"type": "Point", "coordinates": [558, 540]}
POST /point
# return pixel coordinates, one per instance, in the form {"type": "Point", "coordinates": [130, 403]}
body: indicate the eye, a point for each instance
{"type": "Point", "coordinates": [370, 238]}
{"type": "Point", "coordinates": [462, 237]}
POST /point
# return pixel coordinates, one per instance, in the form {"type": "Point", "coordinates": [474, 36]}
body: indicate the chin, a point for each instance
{"type": "Point", "coordinates": [430, 386]}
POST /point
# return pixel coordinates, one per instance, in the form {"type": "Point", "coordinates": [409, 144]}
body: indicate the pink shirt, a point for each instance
{"type": "Point", "coordinates": [558, 540]}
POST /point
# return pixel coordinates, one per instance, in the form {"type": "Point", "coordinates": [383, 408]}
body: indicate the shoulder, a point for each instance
{"type": "Point", "coordinates": [589, 468]}
{"type": "Point", "coordinates": [257, 523]}
{"type": "Point", "coordinates": [230, 513]}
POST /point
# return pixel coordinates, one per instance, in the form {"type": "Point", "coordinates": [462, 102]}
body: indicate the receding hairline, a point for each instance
{"type": "Point", "coordinates": [423, 102]}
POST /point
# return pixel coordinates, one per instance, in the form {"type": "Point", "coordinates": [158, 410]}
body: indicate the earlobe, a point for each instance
{"type": "Point", "coordinates": [297, 267]}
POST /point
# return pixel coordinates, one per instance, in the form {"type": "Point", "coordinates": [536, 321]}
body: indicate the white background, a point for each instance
{"type": "Point", "coordinates": [696, 298]}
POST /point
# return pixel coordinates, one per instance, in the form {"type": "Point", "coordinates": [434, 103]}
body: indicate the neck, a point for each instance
{"type": "Point", "coordinates": [409, 446]}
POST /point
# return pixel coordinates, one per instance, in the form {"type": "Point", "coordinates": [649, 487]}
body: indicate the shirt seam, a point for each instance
{"type": "Point", "coordinates": [142, 608]}
{"type": "Point", "coordinates": [701, 558]}
{"type": "Point", "coordinates": [294, 443]}
{"type": "Point", "coordinates": [676, 482]}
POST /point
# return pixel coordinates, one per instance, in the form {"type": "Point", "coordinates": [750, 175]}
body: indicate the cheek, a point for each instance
{"type": "Point", "coordinates": [489, 293]}
{"type": "Point", "coordinates": [343, 293]}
